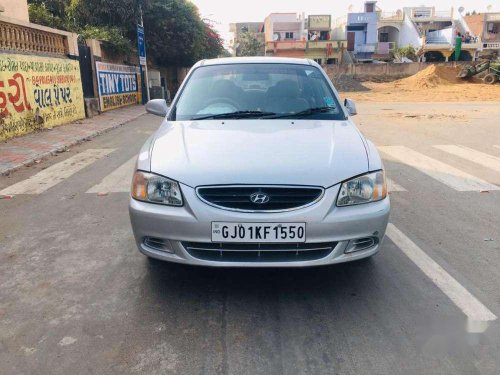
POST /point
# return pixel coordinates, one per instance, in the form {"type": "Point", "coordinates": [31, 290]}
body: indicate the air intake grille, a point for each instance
{"type": "Point", "coordinates": [269, 198]}
{"type": "Point", "coordinates": [237, 252]}
{"type": "Point", "coordinates": [155, 243]}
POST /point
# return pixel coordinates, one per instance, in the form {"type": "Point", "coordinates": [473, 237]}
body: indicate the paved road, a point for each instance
{"type": "Point", "coordinates": [76, 296]}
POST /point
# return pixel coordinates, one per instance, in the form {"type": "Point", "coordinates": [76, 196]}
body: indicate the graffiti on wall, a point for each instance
{"type": "Point", "coordinates": [38, 92]}
{"type": "Point", "coordinates": [118, 85]}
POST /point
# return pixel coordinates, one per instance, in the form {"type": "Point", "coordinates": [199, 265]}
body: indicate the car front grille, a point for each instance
{"type": "Point", "coordinates": [279, 198]}
{"type": "Point", "coordinates": [238, 252]}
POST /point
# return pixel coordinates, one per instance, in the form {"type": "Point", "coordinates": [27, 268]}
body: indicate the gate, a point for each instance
{"type": "Point", "coordinates": [86, 71]}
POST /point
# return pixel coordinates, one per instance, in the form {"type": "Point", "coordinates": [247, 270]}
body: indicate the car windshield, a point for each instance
{"type": "Point", "coordinates": [260, 91]}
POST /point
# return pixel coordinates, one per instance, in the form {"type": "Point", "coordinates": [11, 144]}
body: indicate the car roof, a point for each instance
{"type": "Point", "coordinates": [255, 60]}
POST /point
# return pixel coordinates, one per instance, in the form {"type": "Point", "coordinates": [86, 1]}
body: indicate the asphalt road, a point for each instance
{"type": "Point", "coordinates": [77, 297]}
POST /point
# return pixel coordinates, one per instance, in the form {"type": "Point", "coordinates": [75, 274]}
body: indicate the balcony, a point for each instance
{"type": "Point", "coordinates": [365, 48]}
{"type": "Point", "coordinates": [286, 45]}
{"type": "Point", "coordinates": [391, 16]}
{"type": "Point", "coordinates": [430, 14]}
{"type": "Point", "coordinates": [323, 44]}
{"type": "Point", "coordinates": [493, 45]}
{"type": "Point", "coordinates": [18, 36]}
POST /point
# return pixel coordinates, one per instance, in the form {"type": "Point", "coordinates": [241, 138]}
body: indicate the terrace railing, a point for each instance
{"type": "Point", "coordinates": [26, 39]}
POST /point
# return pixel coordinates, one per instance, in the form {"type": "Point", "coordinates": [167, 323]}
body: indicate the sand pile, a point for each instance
{"type": "Point", "coordinates": [430, 77]}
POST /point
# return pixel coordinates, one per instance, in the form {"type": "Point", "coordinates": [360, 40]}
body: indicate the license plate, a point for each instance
{"type": "Point", "coordinates": [259, 232]}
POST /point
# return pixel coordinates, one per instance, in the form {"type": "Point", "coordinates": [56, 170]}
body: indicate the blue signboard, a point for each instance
{"type": "Point", "coordinates": [141, 45]}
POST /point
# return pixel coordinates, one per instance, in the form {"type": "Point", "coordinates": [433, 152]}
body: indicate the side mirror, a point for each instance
{"type": "Point", "coordinates": [157, 107]}
{"type": "Point", "coordinates": [351, 107]}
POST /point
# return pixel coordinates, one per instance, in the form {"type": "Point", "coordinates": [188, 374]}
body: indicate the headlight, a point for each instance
{"type": "Point", "coordinates": [150, 187]}
{"type": "Point", "coordinates": [371, 187]}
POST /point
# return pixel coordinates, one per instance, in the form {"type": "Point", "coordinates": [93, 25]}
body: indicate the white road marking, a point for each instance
{"type": "Point", "coordinates": [448, 175]}
{"type": "Point", "coordinates": [118, 181]}
{"type": "Point", "coordinates": [393, 187]}
{"type": "Point", "coordinates": [464, 300]}
{"type": "Point", "coordinates": [478, 157]}
{"type": "Point", "coordinates": [56, 173]}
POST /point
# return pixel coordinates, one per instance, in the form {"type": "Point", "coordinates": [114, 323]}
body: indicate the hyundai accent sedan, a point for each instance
{"type": "Point", "coordinates": [257, 164]}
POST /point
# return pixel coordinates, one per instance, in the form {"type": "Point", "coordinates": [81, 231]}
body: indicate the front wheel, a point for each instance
{"type": "Point", "coordinates": [490, 79]}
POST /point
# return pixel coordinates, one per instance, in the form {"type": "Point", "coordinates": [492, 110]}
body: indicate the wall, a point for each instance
{"type": "Point", "coordinates": [475, 23]}
{"type": "Point", "coordinates": [277, 22]}
{"type": "Point", "coordinates": [377, 71]}
{"type": "Point", "coordinates": [370, 19]}
{"type": "Point", "coordinates": [38, 92]}
{"type": "Point", "coordinates": [408, 34]}
{"type": "Point", "coordinates": [17, 9]}
{"type": "Point", "coordinates": [392, 32]}
{"type": "Point", "coordinates": [444, 35]}
{"type": "Point", "coordinates": [300, 54]}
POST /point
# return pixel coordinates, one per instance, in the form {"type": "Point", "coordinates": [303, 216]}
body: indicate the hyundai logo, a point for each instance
{"type": "Point", "coordinates": [259, 198]}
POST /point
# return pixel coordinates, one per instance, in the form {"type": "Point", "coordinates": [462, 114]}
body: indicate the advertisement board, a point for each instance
{"type": "Point", "coordinates": [38, 92]}
{"type": "Point", "coordinates": [118, 85]}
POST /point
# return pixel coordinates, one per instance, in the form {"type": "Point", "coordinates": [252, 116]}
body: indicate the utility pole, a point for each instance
{"type": "Point", "coordinates": [143, 66]}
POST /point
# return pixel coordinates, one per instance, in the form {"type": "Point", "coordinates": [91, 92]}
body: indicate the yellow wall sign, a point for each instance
{"type": "Point", "coordinates": [38, 92]}
{"type": "Point", "coordinates": [118, 85]}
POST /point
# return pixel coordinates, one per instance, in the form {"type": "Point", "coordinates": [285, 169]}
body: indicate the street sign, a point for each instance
{"type": "Point", "coordinates": [141, 45]}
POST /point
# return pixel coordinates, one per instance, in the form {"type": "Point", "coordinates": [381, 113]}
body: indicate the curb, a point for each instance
{"type": "Point", "coordinates": [58, 150]}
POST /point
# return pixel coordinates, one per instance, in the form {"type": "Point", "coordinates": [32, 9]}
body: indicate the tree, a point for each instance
{"type": "Point", "coordinates": [249, 44]}
{"type": "Point", "coordinates": [49, 13]}
{"type": "Point", "coordinates": [175, 33]}
{"type": "Point", "coordinates": [409, 52]}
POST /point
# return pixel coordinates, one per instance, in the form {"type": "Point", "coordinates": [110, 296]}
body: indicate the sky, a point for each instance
{"type": "Point", "coordinates": [223, 12]}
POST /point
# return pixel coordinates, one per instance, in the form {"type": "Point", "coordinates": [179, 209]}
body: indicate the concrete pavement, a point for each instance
{"type": "Point", "coordinates": [18, 152]}
{"type": "Point", "coordinates": [76, 296]}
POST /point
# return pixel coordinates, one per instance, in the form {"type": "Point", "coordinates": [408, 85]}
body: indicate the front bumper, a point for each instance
{"type": "Point", "coordinates": [326, 223]}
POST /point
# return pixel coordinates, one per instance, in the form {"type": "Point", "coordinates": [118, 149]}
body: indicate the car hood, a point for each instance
{"type": "Point", "coordinates": [298, 152]}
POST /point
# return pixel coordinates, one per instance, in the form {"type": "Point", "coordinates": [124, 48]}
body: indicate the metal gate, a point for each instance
{"type": "Point", "coordinates": [86, 71]}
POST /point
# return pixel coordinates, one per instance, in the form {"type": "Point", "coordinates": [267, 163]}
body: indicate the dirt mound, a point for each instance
{"type": "Point", "coordinates": [346, 83]}
{"type": "Point", "coordinates": [432, 76]}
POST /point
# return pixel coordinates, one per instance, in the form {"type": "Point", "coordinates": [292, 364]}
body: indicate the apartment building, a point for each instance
{"type": "Point", "coordinates": [285, 35]}
{"type": "Point", "coordinates": [487, 27]}
{"type": "Point", "coordinates": [321, 46]}
{"type": "Point", "coordinates": [361, 32]}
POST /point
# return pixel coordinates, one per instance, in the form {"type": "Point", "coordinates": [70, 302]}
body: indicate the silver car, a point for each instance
{"type": "Point", "coordinates": [257, 164]}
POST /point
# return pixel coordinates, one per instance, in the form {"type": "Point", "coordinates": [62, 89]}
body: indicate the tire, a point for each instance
{"type": "Point", "coordinates": [490, 79]}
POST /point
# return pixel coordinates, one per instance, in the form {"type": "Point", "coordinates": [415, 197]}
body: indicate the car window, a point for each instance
{"type": "Point", "coordinates": [270, 89]}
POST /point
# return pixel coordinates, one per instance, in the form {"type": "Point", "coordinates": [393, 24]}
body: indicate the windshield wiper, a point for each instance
{"type": "Point", "coordinates": [307, 112]}
{"type": "Point", "coordinates": [236, 115]}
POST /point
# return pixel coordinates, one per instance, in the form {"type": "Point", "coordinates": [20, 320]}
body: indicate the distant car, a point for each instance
{"type": "Point", "coordinates": [257, 164]}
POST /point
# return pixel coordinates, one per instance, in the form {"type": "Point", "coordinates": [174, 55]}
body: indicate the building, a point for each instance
{"type": "Point", "coordinates": [433, 33]}
{"type": "Point", "coordinates": [362, 33]}
{"type": "Point", "coordinates": [237, 29]}
{"type": "Point", "coordinates": [487, 27]}
{"type": "Point", "coordinates": [15, 9]}
{"type": "Point", "coordinates": [321, 47]}
{"type": "Point", "coordinates": [40, 78]}
{"type": "Point", "coordinates": [285, 35]}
